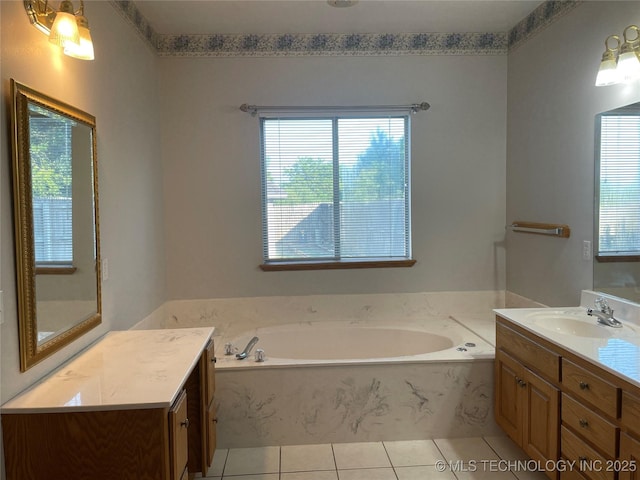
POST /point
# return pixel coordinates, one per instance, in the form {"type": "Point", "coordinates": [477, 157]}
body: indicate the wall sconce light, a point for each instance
{"type": "Point", "coordinates": [620, 64]}
{"type": "Point", "coordinates": [65, 27]}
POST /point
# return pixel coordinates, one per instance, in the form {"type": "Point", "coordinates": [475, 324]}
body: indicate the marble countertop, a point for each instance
{"type": "Point", "coordinates": [124, 370]}
{"type": "Point", "coordinates": [615, 350]}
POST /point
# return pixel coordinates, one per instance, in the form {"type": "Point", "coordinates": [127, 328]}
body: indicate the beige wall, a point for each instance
{"type": "Point", "coordinates": [119, 88]}
{"type": "Point", "coordinates": [210, 154]}
{"type": "Point", "coordinates": [179, 171]}
{"type": "Point", "coordinates": [552, 103]}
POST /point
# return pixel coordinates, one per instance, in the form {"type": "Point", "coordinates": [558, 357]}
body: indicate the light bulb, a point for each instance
{"type": "Point", "coordinates": [83, 50]}
{"type": "Point", "coordinates": [608, 73]}
{"type": "Point", "coordinates": [628, 61]}
{"type": "Point", "coordinates": [628, 66]}
{"type": "Point", "coordinates": [65, 28]}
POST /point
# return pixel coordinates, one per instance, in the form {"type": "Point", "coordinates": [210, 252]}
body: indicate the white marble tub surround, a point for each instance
{"type": "Point", "coordinates": [354, 403]}
{"type": "Point", "coordinates": [124, 370]}
{"type": "Point", "coordinates": [235, 316]}
{"type": "Point", "coordinates": [444, 394]}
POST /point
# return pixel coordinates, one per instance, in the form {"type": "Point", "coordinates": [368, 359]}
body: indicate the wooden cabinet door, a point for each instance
{"type": "Point", "coordinates": [208, 379]}
{"type": "Point", "coordinates": [210, 375]}
{"type": "Point", "coordinates": [508, 394]}
{"type": "Point", "coordinates": [541, 419]}
{"type": "Point", "coordinates": [211, 432]}
{"type": "Point", "coordinates": [629, 457]}
{"type": "Point", "coordinates": [178, 427]}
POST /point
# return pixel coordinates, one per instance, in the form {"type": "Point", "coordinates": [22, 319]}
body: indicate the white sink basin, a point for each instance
{"type": "Point", "coordinates": [577, 324]}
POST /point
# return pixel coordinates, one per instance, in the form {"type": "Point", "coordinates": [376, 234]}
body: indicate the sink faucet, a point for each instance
{"type": "Point", "coordinates": [604, 313]}
{"type": "Point", "coordinates": [247, 349]}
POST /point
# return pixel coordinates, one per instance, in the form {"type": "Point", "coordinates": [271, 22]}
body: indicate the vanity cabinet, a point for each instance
{"type": "Point", "coordinates": [209, 405]}
{"type": "Point", "coordinates": [526, 405]}
{"type": "Point", "coordinates": [202, 384]}
{"type": "Point", "coordinates": [179, 438]}
{"type": "Point", "coordinates": [630, 446]}
{"type": "Point", "coordinates": [576, 410]}
{"type": "Point", "coordinates": [138, 405]}
{"type": "Point", "coordinates": [629, 452]}
{"type": "Point", "coordinates": [588, 437]}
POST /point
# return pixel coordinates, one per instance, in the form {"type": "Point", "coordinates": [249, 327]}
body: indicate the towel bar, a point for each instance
{"type": "Point", "coordinates": [552, 229]}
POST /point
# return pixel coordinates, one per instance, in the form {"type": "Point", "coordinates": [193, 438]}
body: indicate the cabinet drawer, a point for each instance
{"type": "Point", "coordinates": [589, 462]}
{"type": "Point", "coordinates": [210, 368]}
{"type": "Point", "coordinates": [588, 386]}
{"type": "Point", "coordinates": [631, 412]}
{"type": "Point", "coordinates": [589, 425]}
{"type": "Point", "coordinates": [529, 352]}
{"type": "Point", "coordinates": [178, 427]}
{"type": "Point", "coordinates": [572, 474]}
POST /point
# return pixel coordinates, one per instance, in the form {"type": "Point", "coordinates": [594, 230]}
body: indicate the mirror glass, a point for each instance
{"type": "Point", "coordinates": [617, 203]}
{"type": "Point", "coordinates": [56, 223]}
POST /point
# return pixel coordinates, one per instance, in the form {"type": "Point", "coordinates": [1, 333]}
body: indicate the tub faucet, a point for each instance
{"type": "Point", "coordinates": [247, 349]}
{"type": "Point", "coordinates": [604, 314]}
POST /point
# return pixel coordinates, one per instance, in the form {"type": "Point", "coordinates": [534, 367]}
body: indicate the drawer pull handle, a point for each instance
{"type": "Point", "coordinates": [185, 424]}
{"type": "Point", "coordinates": [583, 462]}
{"type": "Point", "coordinates": [583, 423]}
{"type": "Point", "coordinates": [584, 386]}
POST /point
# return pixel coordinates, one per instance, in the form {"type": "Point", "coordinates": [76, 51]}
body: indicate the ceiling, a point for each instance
{"type": "Point", "coordinates": [316, 16]}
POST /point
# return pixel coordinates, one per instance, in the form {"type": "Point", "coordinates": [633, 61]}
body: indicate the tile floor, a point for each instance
{"type": "Point", "coordinates": [397, 460]}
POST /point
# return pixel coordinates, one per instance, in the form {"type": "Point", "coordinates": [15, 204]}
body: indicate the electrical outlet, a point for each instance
{"type": "Point", "coordinates": [105, 269]}
{"type": "Point", "coordinates": [586, 250]}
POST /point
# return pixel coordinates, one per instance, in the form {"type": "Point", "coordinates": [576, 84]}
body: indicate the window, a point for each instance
{"type": "Point", "coordinates": [50, 151]}
{"type": "Point", "coordinates": [619, 184]}
{"type": "Point", "coordinates": [336, 189]}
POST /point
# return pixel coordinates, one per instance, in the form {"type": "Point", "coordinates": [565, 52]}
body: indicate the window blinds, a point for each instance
{"type": "Point", "coordinates": [335, 188]}
{"type": "Point", "coordinates": [50, 152]}
{"type": "Point", "coordinates": [619, 199]}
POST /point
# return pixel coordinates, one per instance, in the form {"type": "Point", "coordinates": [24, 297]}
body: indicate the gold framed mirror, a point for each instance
{"type": "Point", "coordinates": [55, 189]}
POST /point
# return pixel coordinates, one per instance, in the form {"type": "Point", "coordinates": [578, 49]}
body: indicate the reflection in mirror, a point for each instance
{"type": "Point", "coordinates": [56, 213]}
{"type": "Point", "coordinates": [617, 209]}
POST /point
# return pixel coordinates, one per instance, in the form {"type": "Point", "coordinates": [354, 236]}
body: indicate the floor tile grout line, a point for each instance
{"type": "Point", "coordinates": [444, 458]}
{"type": "Point", "coordinates": [500, 457]}
{"type": "Point", "coordinates": [491, 447]}
{"type": "Point", "coordinates": [497, 455]}
{"type": "Point", "coordinates": [224, 465]}
{"type": "Point", "coordinates": [316, 470]}
{"type": "Point", "coordinates": [335, 463]}
{"type": "Point", "coordinates": [389, 458]}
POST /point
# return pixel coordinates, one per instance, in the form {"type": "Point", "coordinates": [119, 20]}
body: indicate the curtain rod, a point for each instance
{"type": "Point", "coordinates": [254, 109]}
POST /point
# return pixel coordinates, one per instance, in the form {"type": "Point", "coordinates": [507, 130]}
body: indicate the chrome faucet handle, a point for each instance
{"type": "Point", "coordinates": [603, 305]}
{"type": "Point", "coordinates": [247, 349]}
